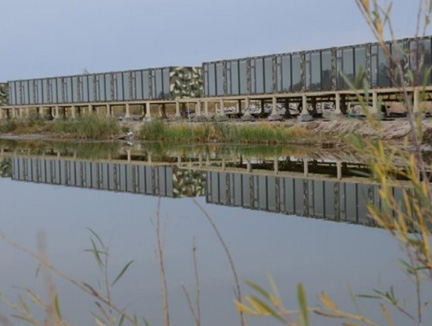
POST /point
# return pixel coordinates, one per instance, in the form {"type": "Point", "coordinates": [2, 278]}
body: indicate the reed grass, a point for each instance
{"type": "Point", "coordinates": [90, 126]}
{"type": "Point", "coordinates": [261, 133]}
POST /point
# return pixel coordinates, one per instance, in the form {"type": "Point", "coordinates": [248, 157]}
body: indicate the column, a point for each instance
{"type": "Point", "coordinates": [247, 115]}
{"type": "Point", "coordinates": [178, 113]}
{"type": "Point", "coordinates": [198, 109]}
{"type": "Point", "coordinates": [304, 106]}
{"type": "Point", "coordinates": [127, 114]}
{"type": "Point", "coordinates": [305, 167]}
{"type": "Point", "coordinates": [56, 112]}
{"type": "Point", "coordinates": [276, 165]}
{"type": "Point", "coordinates": [200, 161]}
{"type": "Point", "coordinates": [206, 113]}
{"type": "Point", "coordinates": [339, 170]}
{"type": "Point", "coordinates": [27, 113]}
{"type": "Point", "coordinates": [148, 110]}
{"type": "Point", "coordinates": [223, 164]}
{"type": "Point", "coordinates": [248, 166]}
{"type": "Point", "coordinates": [338, 104]}
{"type": "Point", "coordinates": [274, 113]}
{"type": "Point", "coordinates": [221, 115]}
{"type": "Point", "coordinates": [90, 109]}
{"type": "Point", "coordinates": [40, 112]}
{"type": "Point", "coordinates": [73, 111]}
{"type": "Point", "coordinates": [129, 155]}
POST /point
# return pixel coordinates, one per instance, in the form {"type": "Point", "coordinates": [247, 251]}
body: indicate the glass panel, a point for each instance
{"type": "Point", "coordinates": [85, 89]}
{"type": "Point", "coordinates": [159, 88]}
{"type": "Point", "coordinates": [243, 77]}
{"type": "Point", "coordinates": [119, 94]}
{"type": "Point", "coordinates": [146, 84]}
{"type": "Point", "coordinates": [31, 92]}
{"type": "Point", "coordinates": [326, 70]}
{"type": "Point", "coordinates": [296, 73]}
{"type": "Point", "coordinates": [424, 57]}
{"type": "Point", "coordinates": [234, 78]}
{"type": "Point", "coordinates": [75, 90]}
{"type": "Point", "coordinates": [286, 73]}
{"type": "Point", "coordinates": [383, 69]}
{"type": "Point", "coordinates": [212, 79]}
{"type": "Point", "coordinates": [166, 83]}
{"type": "Point", "coordinates": [259, 76]}
{"type": "Point", "coordinates": [315, 71]}
{"type": "Point", "coordinates": [348, 65]}
{"type": "Point", "coordinates": [374, 66]}
{"type": "Point", "coordinates": [360, 63]}
{"type": "Point", "coordinates": [398, 55]}
{"type": "Point", "coordinates": [268, 73]}
{"type": "Point", "coordinates": [27, 97]}
{"type": "Point", "coordinates": [138, 82]}
{"type": "Point", "coordinates": [109, 87]}
{"type": "Point", "coordinates": [53, 83]}
{"type": "Point", "coordinates": [92, 88]}
{"type": "Point", "coordinates": [101, 87]}
{"type": "Point", "coordinates": [219, 79]}
{"type": "Point", "coordinates": [126, 85]}
{"type": "Point", "coordinates": [206, 81]}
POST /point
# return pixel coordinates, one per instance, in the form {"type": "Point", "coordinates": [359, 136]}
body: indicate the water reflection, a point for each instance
{"type": "Point", "coordinates": [322, 187]}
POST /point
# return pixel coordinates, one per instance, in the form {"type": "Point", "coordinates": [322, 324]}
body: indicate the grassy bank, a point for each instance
{"type": "Point", "coordinates": [261, 133]}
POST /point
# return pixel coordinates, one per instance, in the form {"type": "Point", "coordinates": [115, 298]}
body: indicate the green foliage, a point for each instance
{"type": "Point", "coordinates": [261, 133]}
{"type": "Point", "coordinates": [8, 126]}
{"type": "Point", "coordinates": [89, 126]}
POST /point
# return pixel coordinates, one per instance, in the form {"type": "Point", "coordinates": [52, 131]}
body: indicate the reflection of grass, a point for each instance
{"type": "Point", "coordinates": [262, 133]}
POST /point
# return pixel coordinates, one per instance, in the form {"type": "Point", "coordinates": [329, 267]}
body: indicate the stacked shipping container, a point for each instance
{"type": "Point", "coordinates": [319, 70]}
{"type": "Point", "coordinates": [158, 84]}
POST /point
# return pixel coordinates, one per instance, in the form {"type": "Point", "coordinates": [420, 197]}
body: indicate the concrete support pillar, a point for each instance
{"type": "Point", "coordinates": [149, 158]}
{"type": "Point", "coordinates": [56, 112]}
{"type": "Point", "coordinates": [339, 170]}
{"type": "Point", "coordinates": [178, 112]}
{"type": "Point", "coordinates": [223, 164]}
{"type": "Point", "coordinates": [375, 103]}
{"type": "Point", "coordinates": [207, 160]}
{"type": "Point", "coordinates": [40, 112]}
{"type": "Point", "coordinates": [247, 115]}
{"type": "Point", "coordinates": [143, 110]}
{"type": "Point", "coordinates": [73, 111]}
{"type": "Point", "coordinates": [276, 165]}
{"type": "Point", "coordinates": [108, 110]}
{"type": "Point", "coordinates": [129, 155]}
{"type": "Point", "coordinates": [200, 161]}
{"type": "Point", "coordinates": [248, 166]}
{"type": "Point", "coordinates": [338, 104]}
{"type": "Point", "coordinates": [305, 167]}
{"type": "Point", "coordinates": [179, 160]}
{"type": "Point", "coordinates": [148, 110]}
{"type": "Point", "coordinates": [27, 113]}
{"type": "Point", "coordinates": [239, 106]}
{"type": "Point", "coordinates": [221, 107]}
{"type": "Point", "coordinates": [416, 101]}
{"type": "Point", "coordinates": [274, 112]}
{"type": "Point", "coordinates": [127, 113]}
{"type": "Point", "coordinates": [90, 109]}
{"type": "Point", "coordinates": [206, 109]}
{"type": "Point", "coordinates": [198, 109]}
{"type": "Point", "coordinates": [304, 106]}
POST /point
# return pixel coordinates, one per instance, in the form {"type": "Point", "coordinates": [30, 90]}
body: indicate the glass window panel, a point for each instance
{"type": "Point", "coordinates": [374, 65]}
{"type": "Point", "coordinates": [315, 71]}
{"type": "Point", "coordinates": [126, 85]}
{"type": "Point", "coordinates": [219, 79]}
{"type": "Point", "coordinates": [75, 90]}
{"type": "Point", "coordinates": [101, 87]}
{"type": "Point", "coordinates": [383, 69]}
{"type": "Point", "coordinates": [166, 83]}
{"type": "Point", "coordinates": [398, 56]}
{"type": "Point", "coordinates": [138, 82]}
{"type": "Point", "coordinates": [119, 94]}
{"type": "Point", "coordinates": [92, 88]}
{"type": "Point", "coordinates": [424, 57]}
{"type": "Point", "coordinates": [159, 88]}
{"type": "Point", "coordinates": [286, 73]}
{"type": "Point", "coordinates": [326, 70]}
{"type": "Point", "coordinates": [146, 84]}
{"type": "Point", "coordinates": [108, 87]}
{"type": "Point", "coordinates": [234, 78]}
{"type": "Point", "coordinates": [85, 89]}
{"type": "Point", "coordinates": [348, 65]}
{"type": "Point", "coordinates": [296, 73]}
{"type": "Point", "coordinates": [243, 78]}
{"type": "Point", "coordinates": [39, 84]}
{"type": "Point", "coordinates": [268, 73]}
{"type": "Point", "coordinates": [46, 92]}
{"type": "Point", "coordinates": [32, 99]}
{"type": "Point", "coordinates": [206, 81]}
{"type": "Point", "coordinates": [259, 76]}
{"type": "Point", "coordinates": [360, 62]}
{"type": "Point", "coordinates": [212, 79]}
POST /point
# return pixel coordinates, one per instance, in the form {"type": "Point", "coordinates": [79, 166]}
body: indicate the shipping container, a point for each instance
{"type": "Point", "coordinates": [158, 84]}
{"type": "Point", "coordinates": [321, 70]}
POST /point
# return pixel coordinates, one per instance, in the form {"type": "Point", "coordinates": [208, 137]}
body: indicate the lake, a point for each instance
{"type": "Point", "coordinates": [297, 213]}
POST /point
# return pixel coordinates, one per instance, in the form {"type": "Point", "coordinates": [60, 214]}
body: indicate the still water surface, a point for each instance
{"type": "Point", "coordinates": [297, 213]}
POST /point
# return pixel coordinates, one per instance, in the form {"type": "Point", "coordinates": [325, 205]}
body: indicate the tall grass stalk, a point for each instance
{"type": "Point", "coordinates": [89, 126]}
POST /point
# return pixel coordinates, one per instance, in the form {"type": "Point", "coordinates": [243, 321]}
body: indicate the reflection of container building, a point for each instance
{"type": "Point", "coordinates": [332, 200]}
{"type": "Point", "coordinates": [162, 181]}
{"type": "Point", "coordinates": [318, 70]}
{"type": "Point", "coordinates": [147, 84]}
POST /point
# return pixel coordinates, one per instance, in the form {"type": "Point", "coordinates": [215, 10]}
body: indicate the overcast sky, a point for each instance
{"type": "Point", "coordinates": [41, 38]}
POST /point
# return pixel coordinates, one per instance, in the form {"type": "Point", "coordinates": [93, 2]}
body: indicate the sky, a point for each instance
{"type": "Point", "coordinates": [44, 38]}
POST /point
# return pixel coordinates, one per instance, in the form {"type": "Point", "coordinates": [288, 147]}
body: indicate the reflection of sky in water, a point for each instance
{"type": "Point", "coordinates": [322, 255]}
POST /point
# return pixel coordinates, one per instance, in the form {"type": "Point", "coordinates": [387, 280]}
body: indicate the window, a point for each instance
{"type": "Point", "coordinates": [259, 76]}
{"type": "Point", "coordinates": [296, 73]}
{"type": "Point", "coordinates": [286, 73]}
{"type": "Point", "coordinates": [234, 78]}
{"type": "Point", "coordinates": [220, 79]}
{"type": "Point", "coordinates": [326, 70]}
{"type": "Point", "coordinates": [315, 71]}
{"type": "Point", "coordinates": [268, 73]}
{"type": "Point", "coordinates": [243, 77]}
